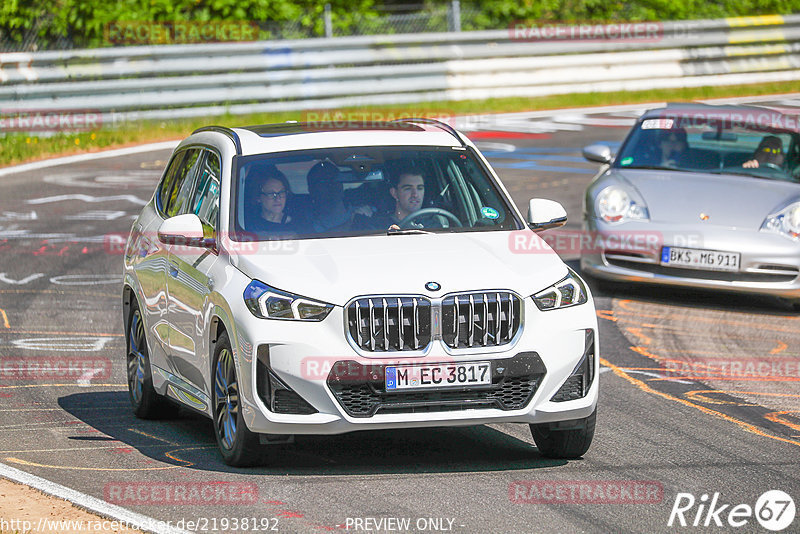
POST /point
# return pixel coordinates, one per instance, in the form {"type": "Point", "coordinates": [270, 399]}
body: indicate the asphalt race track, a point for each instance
{"type": "Point", "coordinates": [666, 425]}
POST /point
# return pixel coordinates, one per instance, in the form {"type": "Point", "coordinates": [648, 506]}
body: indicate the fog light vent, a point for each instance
{"type": "Point", "coordinates": [577, 385]}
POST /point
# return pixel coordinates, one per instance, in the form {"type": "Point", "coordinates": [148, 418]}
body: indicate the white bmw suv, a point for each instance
{"type": "Point", "coordinates": [325, 278]}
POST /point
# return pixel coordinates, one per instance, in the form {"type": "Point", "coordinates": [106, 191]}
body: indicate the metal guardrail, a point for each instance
{"type": "Point", "coordinates": [160, 82]}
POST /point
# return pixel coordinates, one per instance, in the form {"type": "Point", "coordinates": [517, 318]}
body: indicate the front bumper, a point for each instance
{"type": "Point", "coordinates": [306, 359]}
{"type": "Point", "coordinates": [631, 252]}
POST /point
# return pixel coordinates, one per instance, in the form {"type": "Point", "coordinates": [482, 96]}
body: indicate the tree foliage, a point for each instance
{"type": "Point", "coordinates": [83, 22]}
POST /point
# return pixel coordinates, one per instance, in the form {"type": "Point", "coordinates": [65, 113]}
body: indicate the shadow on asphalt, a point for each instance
{"type": "Point", "coordinates": [188, 440]}
{"type": "Point", "coordinates": [688, 297]}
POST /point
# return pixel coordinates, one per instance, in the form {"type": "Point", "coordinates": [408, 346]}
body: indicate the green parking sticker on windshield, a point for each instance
{"type": "Point", "coordinates": [489, 213]}
{"type": "Point", "coordinates": [626, 161]}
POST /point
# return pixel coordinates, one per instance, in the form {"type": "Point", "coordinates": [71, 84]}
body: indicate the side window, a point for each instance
{"type": "Point", "coordinates": [205, 203]}
{"type": "Point", "coordinates": [169, 180]}
{"type": "Point", "coordinates": [184, 184]}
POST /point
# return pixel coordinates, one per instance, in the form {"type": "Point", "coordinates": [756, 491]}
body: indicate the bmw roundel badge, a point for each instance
{"type": "Point", "coordinates": [433, 286]}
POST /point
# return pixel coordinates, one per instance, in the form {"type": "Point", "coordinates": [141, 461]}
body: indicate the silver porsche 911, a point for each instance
{"type": "Point", "coordinates": [699, 196]}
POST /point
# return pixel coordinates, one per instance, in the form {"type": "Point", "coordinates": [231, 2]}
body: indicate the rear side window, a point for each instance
{"type": "Point", "coordinates": [183, 188]}
{"type": "Point", "coordinates": [205, 203]}
{"type": "Point", "coordinates": [169, 180]}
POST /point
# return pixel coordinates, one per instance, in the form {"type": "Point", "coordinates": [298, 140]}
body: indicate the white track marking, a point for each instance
{"type": "Point", "coordinates": [14, 216]}
{"type": "Point", "coordinates": [106, 181]}
{"type": "Point", "coordinates": [95, 215]}
{"type": "Point", "coordinates": [657, 375]}
{"type": "Point", "coordinates": [86, 279]}
{"type": "Point", "coordinates": [80, 158]}
{"type": "Point", "coordinates": [87, 198]}
{"type": "Point", "coordinates": [495, 147]}
{"type": "Point", "coordinates": [89, 503]}
{"type": "Point", "coordinates": [62, 344]}
{"type": "Point", "coordinates": [22, 281]}
{"type": "Point", "coordinates": [85, 380]}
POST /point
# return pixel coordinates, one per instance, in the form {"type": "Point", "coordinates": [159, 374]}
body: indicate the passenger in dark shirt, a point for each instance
{"type": "Point", "coordinates": [273, 191]}
{"type": "Point", "coordinates": [673, 147]}
{"type": "Point", "coordinates": [329, 212]}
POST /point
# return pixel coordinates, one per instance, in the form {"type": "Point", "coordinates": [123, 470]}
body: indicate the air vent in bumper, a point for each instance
{"type": "Point", "coordinates": [274, 393]}
{"type": "Point", "coordinates": [361, 392]}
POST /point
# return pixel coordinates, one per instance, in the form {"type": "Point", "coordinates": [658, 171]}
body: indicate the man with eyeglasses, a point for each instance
{"type": "Point", "coordinates": [768, 154]}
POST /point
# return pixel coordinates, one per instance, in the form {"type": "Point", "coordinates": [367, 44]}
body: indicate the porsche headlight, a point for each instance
{"type": "Point", "coordinates": [266, 302]}
{"type": "Point", "coordinates": [785, 222]}
{"type": "Point", "coordinates": [570, 291]}
{"type": "Point", "coordinates": [614, 204]}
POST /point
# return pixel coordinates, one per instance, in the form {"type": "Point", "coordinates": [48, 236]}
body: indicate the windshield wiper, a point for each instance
{"type": "Point", "coordinates": [656, 167]}
{"type": "Point", "coordinates": [395, 230]}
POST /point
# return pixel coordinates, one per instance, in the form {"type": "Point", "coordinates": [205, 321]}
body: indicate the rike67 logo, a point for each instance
{"type": "Point", "coordinates": [774, 510]}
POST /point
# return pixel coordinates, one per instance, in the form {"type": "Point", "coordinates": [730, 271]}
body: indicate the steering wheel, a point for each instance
{"type": "Point", "coordinates": [773, 166]}
{"type": "Point", "coordinates": [404, 224]}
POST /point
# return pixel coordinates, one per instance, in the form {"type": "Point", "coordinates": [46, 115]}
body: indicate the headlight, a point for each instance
{"type": "Point", "coordinates": [568, 292]}
{"type": "Point", "coordinates": [266, 302]}
{"type": "Point", "coordinates": [614, 204]}
{"type": "Point", "coordinates": [785, 222]}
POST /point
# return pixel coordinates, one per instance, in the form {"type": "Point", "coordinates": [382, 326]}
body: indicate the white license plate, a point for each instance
{"type": "Point", "coordinates": [710, 260]}
{"type": "Point", "coordinates": [438, 376]}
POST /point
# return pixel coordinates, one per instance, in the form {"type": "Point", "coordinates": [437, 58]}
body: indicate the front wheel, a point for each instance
{"type": "Point", "coordinates": [146, 403]}
{"type": "Point", "coordinates": [239, 446]}
{"type": "Point", "coordinates": [570, 442]}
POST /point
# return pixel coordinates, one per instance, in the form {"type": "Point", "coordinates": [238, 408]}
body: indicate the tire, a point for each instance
{"type": "Point", "coordinates": [566, 444]}
{"type": "Point", "coordinates": [146, 403]}
{"type": "Point", "coordinates": [239, 446]}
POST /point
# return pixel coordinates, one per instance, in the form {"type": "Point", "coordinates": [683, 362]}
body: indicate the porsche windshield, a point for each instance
{"type": "Point", "coordinates": [686, 143]}
{"type": "Point", "coordinates": [339, 192]}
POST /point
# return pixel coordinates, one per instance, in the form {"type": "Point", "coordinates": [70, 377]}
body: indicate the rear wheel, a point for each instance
{"type": "Point", "coordinates": [146, 403]}
{"type": "Point", "coordinates": [239, 446]}
{"type": "Point", "coordinates": [566, 439]}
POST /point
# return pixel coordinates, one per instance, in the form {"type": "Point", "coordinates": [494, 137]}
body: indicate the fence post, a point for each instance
{"type": "Point", "coordinates": [328, 21]}
{"type": "Point", "coordinates": [454, 16]}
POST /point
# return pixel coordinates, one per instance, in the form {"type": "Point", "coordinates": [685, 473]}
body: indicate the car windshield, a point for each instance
{"type": "Point", "coordinates": [341, 192]}
{"type": "Point", "coordinates": [713, 144]}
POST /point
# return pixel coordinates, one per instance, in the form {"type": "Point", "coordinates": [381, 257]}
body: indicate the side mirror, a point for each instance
{"type": "Point", "coordinates": [185, 230]}
{"type": "Point", "coordinates": [544, 214]}
{"type": "Point", "coordinates": [597, 153]}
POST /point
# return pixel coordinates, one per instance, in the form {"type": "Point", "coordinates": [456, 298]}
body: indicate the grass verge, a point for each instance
{"type": "Point", "coordinates": [18, 148]}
